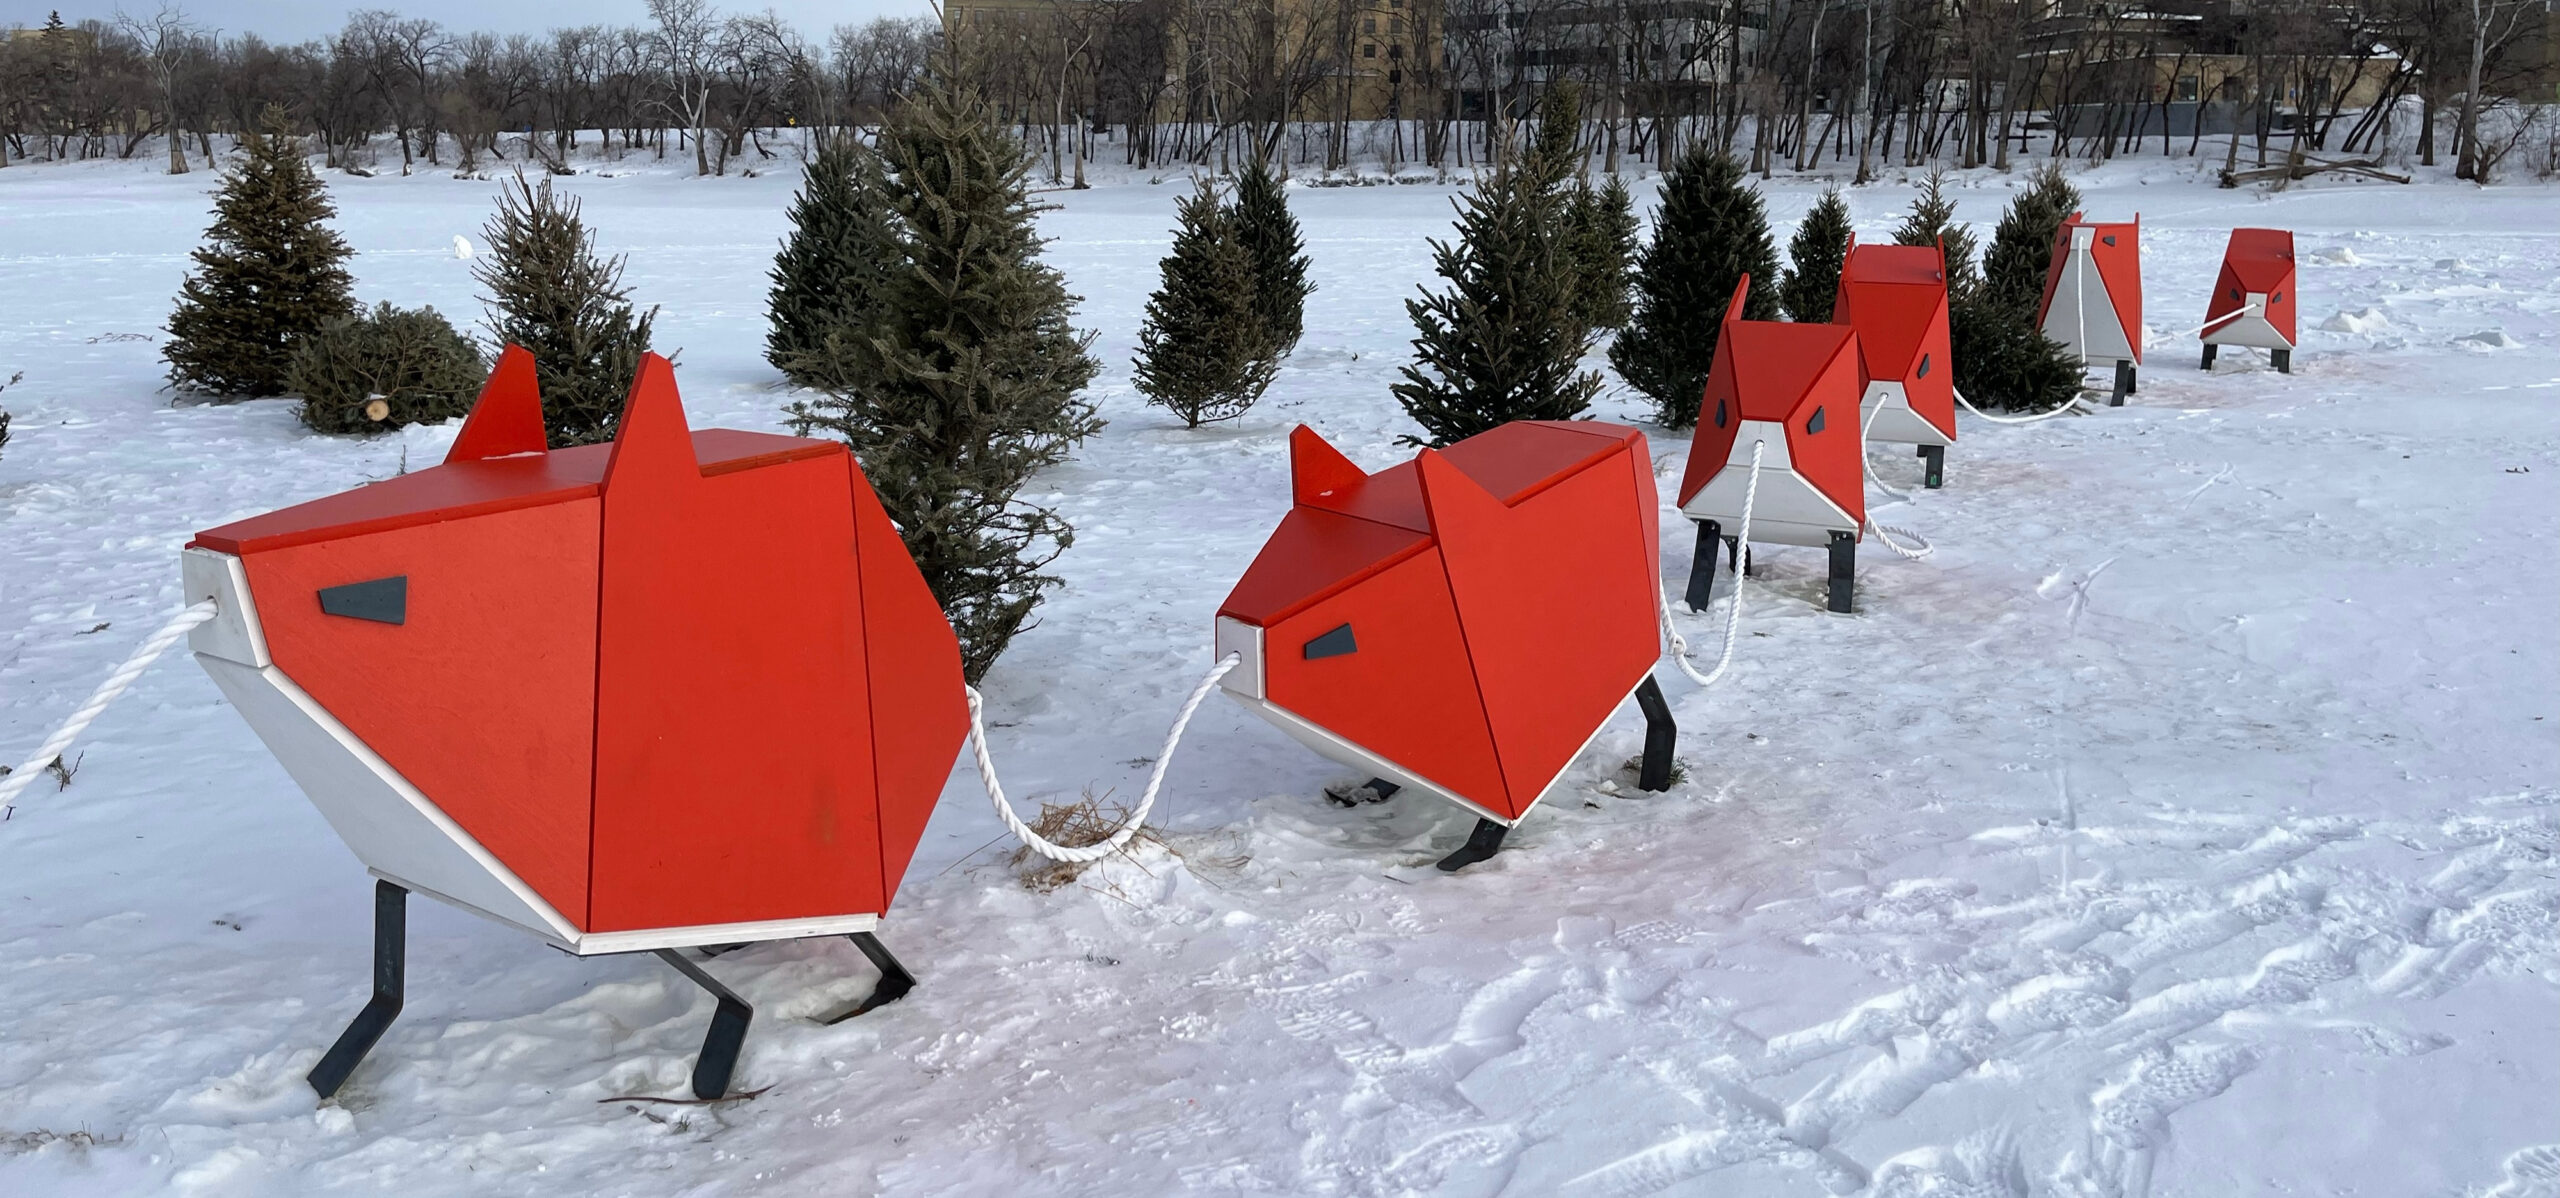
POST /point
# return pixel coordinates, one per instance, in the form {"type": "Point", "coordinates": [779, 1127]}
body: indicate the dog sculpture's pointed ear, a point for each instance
{"type": "Point", "coordinates": [1733, 311]}
{"type": "Point", "coordinates": [1456, 501]}
{"type": "Point", "coordinates": [653, 446]}
{"type": "Point", "coordinates": [507, 418]}
{"type": "Point", "coordinates": [1317, 468]}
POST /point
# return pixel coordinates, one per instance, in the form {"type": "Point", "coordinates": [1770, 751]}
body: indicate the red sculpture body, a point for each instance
{"type": "Point", "coordinates": [2253, 300]}
{"type": "Point", "coordinates": [683, 689]}
{"type": "Point", "coordinates": [1895, 296]}
{"type": "Point", "coordinates": [1792, 391]}
{"type": "Point", "coordinates": [1464, 623]}
{"type": "Point", "coordinates": [2093, 295]}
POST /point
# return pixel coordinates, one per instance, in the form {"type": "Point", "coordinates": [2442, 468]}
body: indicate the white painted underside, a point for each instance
{"type": "Point", "coordinates": [1324, 741]}
{"type": "Point", "coordinates": [2251, 329]}
{"type": "Point", "coordinates": [389, 824]}
{"type": "Point", "coordinates": [1788, 510]}
{"type": "Point", "coordinates": [1885, 412]}
{"type": "Point", "coordinates": [1245, 685]}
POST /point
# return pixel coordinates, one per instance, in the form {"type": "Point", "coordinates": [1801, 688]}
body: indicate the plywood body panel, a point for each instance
{"type": "Point", "coordinates": [499, 639]}
{"type": "Point", "coordinates": [733, 707]}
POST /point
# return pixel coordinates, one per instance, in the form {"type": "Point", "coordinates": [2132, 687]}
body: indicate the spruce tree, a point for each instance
{"type": "Point", "coordinates": [269, 273]}
{"type": "Point", "coordinates": [1203, 351]}
{"type": "Point", "coordinates": [1603, 221]}
{"type": "Point", "coordinates": [971, 374]}
{"type": "Point", "coordinates": [1815, 255]}
{"type": "Point", "coordinates": [2013, 270]}
{"type": "Point", "coordinates": [1270, 234]}
{"type": "Point", "coordinates": [375, 371]}
{"type": "Point", "coordinates": [1709, 232]}
{"type": "Point", "coordinates": [2003, 361]}
{"type": "Point", "coordinates": [1505, 341]}
{"type": "Point", "coordinates": [1933, 222]}
{"type": "Point", "coordinates": [832, 265]}
{"type": "Point", "coordinates": [546, 290]}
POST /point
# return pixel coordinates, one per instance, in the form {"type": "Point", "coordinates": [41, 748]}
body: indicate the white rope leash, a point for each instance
{"type": "Point", "coordinates": [2047, 414]}
{"type": "Point", "coordinates": [1920, 546]}
{"type": "Point", "coordinates": [1733, 606]}
{"type": "Point", "coordinates": [18, 780]}
{"type": "Point", "coordinates": [1155, 781]}
{"type": "Point", "coordinates": [2206, 327]}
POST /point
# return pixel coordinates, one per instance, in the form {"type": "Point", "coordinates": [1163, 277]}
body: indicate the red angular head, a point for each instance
{"type": "Point", "coordinates": [658, 691]}
{"type": "Point", "coordinates": [2253, 301]}
{"type": "Point", "coordinates": [1791, 390]}
{"type": "Point", "coordinates": [1460, 624]}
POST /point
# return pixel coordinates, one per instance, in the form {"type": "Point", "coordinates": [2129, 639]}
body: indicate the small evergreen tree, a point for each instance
{"type": "Point", "coordinates": [1603, 220]}
{"type": "Point", "coordinates": [2003, 361]}
{"type": "Point", "coordinates": [1270, 235]}
{"type": "Point", "coordinates": [1932, 221]}
{"type": "Point", "coordinates": [373, 372]}
{"type": "Point", "coordinates": [1815, 255]}
{"type": "Point", "coordinates": [547, 291]}
{"type": "Point", "coordinates": [1203, 351]}
{"type": "Point", "coordinates": [1709, 232]}
{"type": "Point", "coordinates": [1505, 341]}
{"type": "Point", "coordinates": [971, 372]}
{"type": "Point", "coordinates": [2022, 246]}
{"type": "Point", "coordinates": [269, 272]}
{"type": "Point", "coordinates": [834, 262]}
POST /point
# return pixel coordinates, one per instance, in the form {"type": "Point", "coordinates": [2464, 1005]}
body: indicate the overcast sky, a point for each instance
{"type": "Point", "coordinates": [296, 20]}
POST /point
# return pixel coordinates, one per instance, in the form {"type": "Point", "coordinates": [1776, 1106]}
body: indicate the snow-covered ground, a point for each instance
{"type": "Point", "coordinates": [2185, 826]}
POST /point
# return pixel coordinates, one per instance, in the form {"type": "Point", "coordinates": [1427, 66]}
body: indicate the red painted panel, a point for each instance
{"type": "Point", "coordinates": [1712, 446]}
{"type": "Point", "coordinates": [919, 716]}
{"type": "Point", "coordinates": [1833, 460]}
{"type": "Point", "coordinates": [734, 774]}
{"type": "Point", "coordinates": [1409, 693]}
{"type": "Point", "coordinates": [2117, 249]}
{"type": "Point", "coordinates": [1313, 554]}
{"type": "Point", "coordinates": [507, 418]}
{"type": "Point", "coordinates": [445, 493]}
{"type": "Point", "coordinates": [485, 698]}
{"type": "Point", "coordinates": [1557, 606]}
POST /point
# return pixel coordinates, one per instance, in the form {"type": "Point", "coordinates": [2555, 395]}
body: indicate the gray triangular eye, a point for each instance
{"type": "Point", "coordinates": [1332, 644]}
{"type": "Point", "coordinates": [2110, 240]}
{"type": "Point", "coordinates": [1924, 367]}
{"type": "Point", "coordinates": [381, 600]}
{"type": "Point", "coordinates": [1719, 413]}
{"type": "Point", "coordinates": [1814, 425]}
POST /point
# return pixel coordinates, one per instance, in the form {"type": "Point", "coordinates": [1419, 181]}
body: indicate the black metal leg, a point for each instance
{"type": "Point", "coordinates": [2209, 347]}
{"type": "Point", "coordinates": [728, 1033]}
{"type": "Point", "coordinates": [895, 981]}
{"type": "Point", "coordinates": [2283, 360]}
{"type": "Point", "coordinates": [1661, 736]}
{"type": "Point", "coordinates": [1750, 568]}
{"type": "Point", "coordinates": [1933, 460]}
{"type": "Point", "coordinates": [2124, 384]}
{"type": "Point", "coordinates": [1844, 569]}
{"type": "Point", "coordinates": [390, 977]}
{"type": "Point", "coordinates": [1702, 567]}
{"type": "Point", "coordinates": [1484, 842]}
{"type": "Point", "coordinates": [1733, 554]}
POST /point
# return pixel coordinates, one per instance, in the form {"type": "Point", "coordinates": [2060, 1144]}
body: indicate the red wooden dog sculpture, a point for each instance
{"type": "Point", "coordinates": [2093, 295]}
{"type": "Point", "coordinates": [1895, 296]}
{"type": "Point", "coordinates": [684, 689]}
{"type": "Point", "coordinates": [1464, 623]}
{"type": "Point", "coordinates": [2252, 301]}
{"type": "Point", "coordinates": [1790, 391]}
